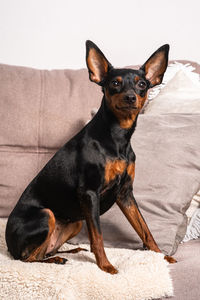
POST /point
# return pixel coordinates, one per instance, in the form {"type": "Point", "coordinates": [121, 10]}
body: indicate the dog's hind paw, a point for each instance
{"type": "Point", "coordinates": [170, 259]}
{"type": "Point", "coordinates": [56, 260]}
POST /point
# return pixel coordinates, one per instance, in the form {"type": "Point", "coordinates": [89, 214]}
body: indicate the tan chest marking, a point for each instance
{"type": "Point", "coordinates": [131, 170]}
{"type": "Point", "coordinates": [117, 167]}
{"type": "Point", "coordinates": [114, 168]}
{"type": "Point", "coordinates": [126, 123]}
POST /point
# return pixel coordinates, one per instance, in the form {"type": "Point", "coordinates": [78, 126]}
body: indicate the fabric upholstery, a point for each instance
{"type": "Point", "coordinates": [167, 177]}
{"type": "Point", "coordinates": [180, 95]}
{"type": "Point", "coordinates": [40, 110]}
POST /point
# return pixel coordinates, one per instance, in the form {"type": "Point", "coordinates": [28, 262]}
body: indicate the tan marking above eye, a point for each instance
{"type": "Point", "coordinates": [119, 78]}
{"type": "Point", "coordinates": [136, 78]}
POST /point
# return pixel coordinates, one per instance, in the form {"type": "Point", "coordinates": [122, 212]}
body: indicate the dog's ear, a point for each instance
{"type": "Point", "coordinates": [156, 65]}
{"type": "Point", "coordinates": [98, 65]}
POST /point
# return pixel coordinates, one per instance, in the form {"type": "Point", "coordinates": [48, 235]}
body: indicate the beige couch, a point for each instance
{"type": "Point", "coordinates": [40, 110]}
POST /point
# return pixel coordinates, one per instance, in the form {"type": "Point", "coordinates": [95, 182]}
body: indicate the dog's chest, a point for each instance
{"type": "Point", "coordinates": [117, 174]}
{"type": "Point", "coordinates": [116, 169]}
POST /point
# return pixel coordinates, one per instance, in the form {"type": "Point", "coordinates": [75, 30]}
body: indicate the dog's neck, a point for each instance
{"type": "Point", "coordinates": [113, 123]}
{"type": "Point", "coordinates": [107, 127]}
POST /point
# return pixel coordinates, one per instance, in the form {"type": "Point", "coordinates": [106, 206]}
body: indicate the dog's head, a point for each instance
{"type": "Point", "coordinates": [125, 90]}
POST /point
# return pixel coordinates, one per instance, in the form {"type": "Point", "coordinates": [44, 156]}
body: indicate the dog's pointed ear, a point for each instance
{"type": "Point", "coordinates": [156, 65]}
{"type": "Point", "coordinates": [97, 63]}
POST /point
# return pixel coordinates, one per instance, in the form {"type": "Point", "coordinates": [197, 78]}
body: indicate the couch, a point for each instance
{"type": "Point", "coordinates": [40, 110]}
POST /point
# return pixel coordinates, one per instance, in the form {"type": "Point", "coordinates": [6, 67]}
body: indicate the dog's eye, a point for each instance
{"type": "Point", "coordinates": [142, 84]}
{"type": "Point", "coordinates": [115, 83]}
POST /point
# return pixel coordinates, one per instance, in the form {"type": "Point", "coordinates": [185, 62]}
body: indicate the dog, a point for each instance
{"type": "Point", "coordinates": [91, 172]}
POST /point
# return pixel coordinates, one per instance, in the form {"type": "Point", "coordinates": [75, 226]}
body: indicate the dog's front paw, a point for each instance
{"type": "Point", "coordinates": [170, 259]}
{"type": "Point", "coordinates": [109, 269]}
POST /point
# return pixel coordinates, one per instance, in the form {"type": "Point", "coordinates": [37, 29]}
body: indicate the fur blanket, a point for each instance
{"type": "Point", "coordinates": [142, 275]}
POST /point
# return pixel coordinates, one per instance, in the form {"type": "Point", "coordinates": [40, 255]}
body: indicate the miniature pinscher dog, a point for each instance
{"type": "Point", "coordinates": [91, 172]}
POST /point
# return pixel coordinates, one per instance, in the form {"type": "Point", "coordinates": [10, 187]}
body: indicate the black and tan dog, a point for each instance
{"type": "Point", "coordinates": [90, 172]}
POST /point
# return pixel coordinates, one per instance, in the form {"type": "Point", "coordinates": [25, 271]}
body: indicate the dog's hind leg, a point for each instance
{"type": "Point", "coordinates": [38, 253]}
{"type": "Point", "coordinates": [62, 233]}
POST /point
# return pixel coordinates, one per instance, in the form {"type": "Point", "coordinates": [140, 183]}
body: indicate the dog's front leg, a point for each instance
{"type": "Point", "coordinates": [90, 206]}
{"type": "Point", "coordinates": [130, 209]}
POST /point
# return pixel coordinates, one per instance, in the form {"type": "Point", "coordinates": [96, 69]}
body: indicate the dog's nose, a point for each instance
{"type": "Point", "coordinates": [130, 98]}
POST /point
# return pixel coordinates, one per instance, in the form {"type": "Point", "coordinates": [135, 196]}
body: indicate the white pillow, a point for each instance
{"type": "Point", "coordinates": [179, 95]}
{"type": "Point", "coordinates": [172, 69]}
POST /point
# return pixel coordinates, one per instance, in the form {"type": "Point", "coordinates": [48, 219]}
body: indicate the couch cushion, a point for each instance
{"type": "Point", "coordinates": [167, 177]}
{"type": "Point", "coordinates": [180, 95]}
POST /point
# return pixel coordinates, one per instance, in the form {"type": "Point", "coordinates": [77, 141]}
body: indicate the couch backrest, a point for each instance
{"type": "Point", "coordinates": [39, 111]}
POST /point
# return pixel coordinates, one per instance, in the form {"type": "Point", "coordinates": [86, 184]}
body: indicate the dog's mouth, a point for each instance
{"type": "Point", "coordinates": [127, 107]}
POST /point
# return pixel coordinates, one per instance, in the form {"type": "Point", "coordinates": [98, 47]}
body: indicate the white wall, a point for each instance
{"type": "Point", "coordinates": [52, 33]}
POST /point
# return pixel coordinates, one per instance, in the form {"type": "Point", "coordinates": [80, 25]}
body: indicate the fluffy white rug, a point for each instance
{"type": "Point", "coordinates": [142, 275]}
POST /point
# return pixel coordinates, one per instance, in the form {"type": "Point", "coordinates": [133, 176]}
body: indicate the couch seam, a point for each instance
{"type": "Point", "coordinates": [31, 152]}
{"type": "Point", "coordinates": [40, 114]}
